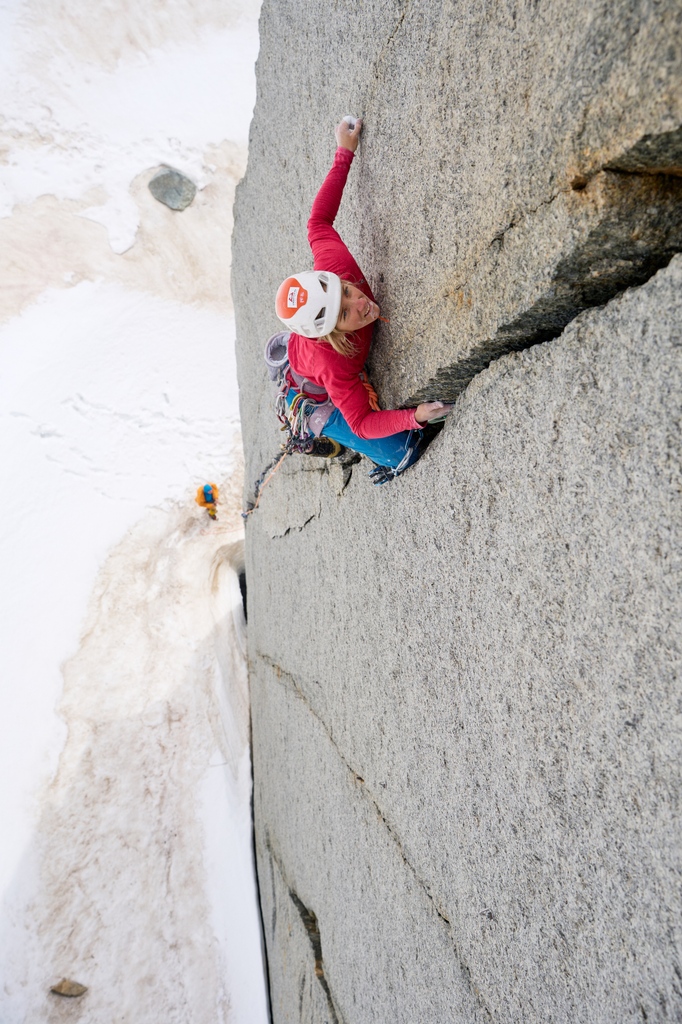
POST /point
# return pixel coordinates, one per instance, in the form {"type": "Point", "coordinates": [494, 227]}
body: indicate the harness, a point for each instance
{"type": "Point", "coordinates": [303, 418]}
{"type": "Point", "coordinates": [306, 414]}
{"type": "Point", "coordinates": [311, 407]}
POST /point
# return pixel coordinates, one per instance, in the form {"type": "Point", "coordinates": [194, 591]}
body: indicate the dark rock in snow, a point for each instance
{"type": "Point", "coordinates": [173, 189]}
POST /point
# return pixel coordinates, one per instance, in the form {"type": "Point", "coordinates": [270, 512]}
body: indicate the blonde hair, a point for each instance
{"type": "Point", "coordinates": [341, 342]}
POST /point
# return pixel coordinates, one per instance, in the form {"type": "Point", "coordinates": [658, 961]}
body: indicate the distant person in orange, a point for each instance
{"type": "Point", "coordinates": [207, 497]}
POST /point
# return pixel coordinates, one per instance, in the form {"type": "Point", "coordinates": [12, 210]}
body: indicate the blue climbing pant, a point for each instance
{"type": "Point", "coordinates": [384, 451]}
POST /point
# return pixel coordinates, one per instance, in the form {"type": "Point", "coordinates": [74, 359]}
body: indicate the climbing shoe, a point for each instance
{"type": "Point", "coordinates": [324, 448]}
{"type": "Point", "coordinates": [382, 475]}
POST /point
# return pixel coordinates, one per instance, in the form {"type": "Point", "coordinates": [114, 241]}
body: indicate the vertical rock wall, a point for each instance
{"type": "Point", "coordinates": [465, 685]}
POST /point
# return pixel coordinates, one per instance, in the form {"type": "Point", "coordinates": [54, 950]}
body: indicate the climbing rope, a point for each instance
{"type": "Point", "coordinates": [371, 393]}
{"type": "Point", "coordinates": [261, 484]}
{"type": "Point", "coordinates": [323, 447]}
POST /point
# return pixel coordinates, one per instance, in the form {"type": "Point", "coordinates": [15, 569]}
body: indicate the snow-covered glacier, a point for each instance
{"type": "Point", "coordinates": [126, 861]}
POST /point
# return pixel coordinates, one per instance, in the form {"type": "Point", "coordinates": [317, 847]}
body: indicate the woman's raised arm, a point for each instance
{"type": "Point", "coordinates": [329, 250]}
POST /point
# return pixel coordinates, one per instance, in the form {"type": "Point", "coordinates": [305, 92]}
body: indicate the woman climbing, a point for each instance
{"type": "Point", "coordinates": [330, 311]}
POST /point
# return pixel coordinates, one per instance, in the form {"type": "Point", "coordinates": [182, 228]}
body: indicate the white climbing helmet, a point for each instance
{"type": "Point", "coordinates": [309, 302]}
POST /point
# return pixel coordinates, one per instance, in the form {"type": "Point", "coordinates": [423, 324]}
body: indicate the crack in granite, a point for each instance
{"type": "Point", "coordinates": [364, 789]}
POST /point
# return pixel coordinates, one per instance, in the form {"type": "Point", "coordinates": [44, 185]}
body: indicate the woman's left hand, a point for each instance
{"type": "Point", "coordinates": [348, 137]}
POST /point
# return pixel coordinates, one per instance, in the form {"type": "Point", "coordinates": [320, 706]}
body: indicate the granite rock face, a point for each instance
{"type": "Point", "coordinates": [467, 744]}
{"type": "Point", "coordinates": [485, 125]}
{"type": "Point", "coordinates": [467, 716]}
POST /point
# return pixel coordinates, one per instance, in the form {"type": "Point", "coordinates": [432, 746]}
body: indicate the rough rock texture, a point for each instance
{"type": "Point", "coordinates": [482, 120]}
{"type": "Point", "coordinates": [467, 717]}
{"type": "Point", "coordinates": [467, 727]}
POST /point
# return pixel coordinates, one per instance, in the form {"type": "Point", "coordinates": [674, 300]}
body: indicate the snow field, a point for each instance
{"type": "Point", "coordinates": [133, 869]}
{"type": "Point", "coordinates": [126, 860]}
{"type": "Point", "coordinates": [151, 775]}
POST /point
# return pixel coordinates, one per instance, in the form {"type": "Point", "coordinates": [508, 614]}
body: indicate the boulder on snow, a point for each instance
{"type": "Point", "coordinates": [66, 987]}
{"type": "Point", "coordinates": [173, 189]}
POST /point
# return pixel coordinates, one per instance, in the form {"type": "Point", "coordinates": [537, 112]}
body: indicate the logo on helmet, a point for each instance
{"type": "Point", "coordinates": [290, 298]}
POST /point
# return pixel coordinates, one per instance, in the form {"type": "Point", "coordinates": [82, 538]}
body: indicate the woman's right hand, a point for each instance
{"type": "Point", "coordinates": [431, 411]}
{"type": "Point", "coordinates": [348, 137]}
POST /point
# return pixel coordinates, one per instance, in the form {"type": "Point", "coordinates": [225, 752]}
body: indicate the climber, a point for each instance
{"type": "Point", "coordinates": [207, 497]}
{"type": "Point", "coordinates": [330, 311]}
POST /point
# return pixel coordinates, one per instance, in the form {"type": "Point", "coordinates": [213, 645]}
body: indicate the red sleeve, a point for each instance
{"type": "Point", "coordinates": [350, 397]}
{"type": "Point", "coordinates": [329, 251]}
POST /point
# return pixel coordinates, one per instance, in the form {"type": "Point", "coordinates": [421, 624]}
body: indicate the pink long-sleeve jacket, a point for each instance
{"type": "Point", "coordinates": [317, 360]}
